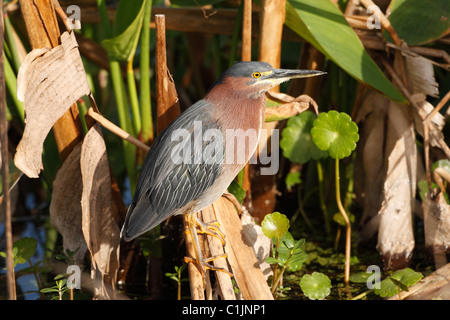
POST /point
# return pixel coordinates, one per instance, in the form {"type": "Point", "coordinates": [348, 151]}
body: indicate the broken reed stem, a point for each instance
{"type": "Point", "coordinates": [426, 136]}
{"type": "Point", "coordinates": [384, 21]}
{"type": "Point", "coordinates": [247, 31]}
{"type": "Point", "coordinates": [348, 234]}
{"type": "Point", "coordinates": [116, 130]}
{"type": "Point", "coordinates": [408, 96]}
{"type": "Point", "coordinates": [439, 106]}
{"type": "Point", "coordinates": [10, 278]}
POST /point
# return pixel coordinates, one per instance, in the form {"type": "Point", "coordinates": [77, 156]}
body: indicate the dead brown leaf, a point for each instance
{"type": "Point", "coordinates": [100, 229]}
{"type": "Point", "coordinates": [289, 107]}
{"type": "Point", "coordinates": [49, 82]}
{"type": "Point", "coordinates": [65, 208]}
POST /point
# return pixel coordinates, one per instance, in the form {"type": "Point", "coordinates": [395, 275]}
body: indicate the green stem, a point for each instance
{"type": "Point", "coordinates": [301, 210]}
{"type": "Point", "coordinates": [133, 97]}
{"type": "Point", "coordinates": [275, 269]}
{"type": "Point", "coordinates": [146, 103]}
{"type": "Point", "coordinates": [36, 277]}
{"type": "Point", "coordinates": [279, 277]}
{"type": "Point", "coordinates": [121, 100]}
{"type": "Point", "coordinates": [323, 205]}
{"type": "Point", "coordinates": [11, 85]}
{"type": "Point", "coordinates": [347, 223]}
{"type": "Point", "coordinates": [362, 295]}
{"type": "Point", "coordinates": [12, 43]}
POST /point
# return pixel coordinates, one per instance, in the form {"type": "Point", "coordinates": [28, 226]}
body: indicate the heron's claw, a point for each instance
{"type": "Point", "coordinates": [204, 265]}
{"type": "Point", "coordinates": [210, 228]}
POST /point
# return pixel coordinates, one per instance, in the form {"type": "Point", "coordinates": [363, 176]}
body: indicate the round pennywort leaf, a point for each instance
{"type": "Point", "coordinates": [316, 286]}
{"type": "Point", "coordinates": [399, 280]}
{"type": "Point", "coordinates": [336, 133]}
{"type": "Point", "coordinates": [296, 141]}
{"type": "Point", "coordinates": [275, 225]}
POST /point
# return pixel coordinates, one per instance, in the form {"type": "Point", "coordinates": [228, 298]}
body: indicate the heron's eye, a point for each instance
{"type": "Point", "coordinates": [256, 75]}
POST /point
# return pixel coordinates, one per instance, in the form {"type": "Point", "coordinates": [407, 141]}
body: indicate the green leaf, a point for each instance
{"type": "Point", "coordinates": [322, 24]}
{"type": "Point", "coordinates": [444, 164]}
{"type": "Point", "coordinates": [401, 279]}
{"type": "Point", "coordinates": [407, 276]}
{"type": "Point", "coordinates": [275, 225]}
{"type": "Point", "coordinates": [296, 141]}
{"type": "Point", "coordinates": [360, 277]}
{"type": "Point", "coordinates": [419, 21]}
{"type": "Point", "coordinates": [292, 179]}
{"type": "Point", "coordinates": [316, 286]}
{"type": "Point", "coordinates": [26, 247]}
{"type": "Point", "coordinates": [335, 132]}
{"type": "Point", "coordinates": [272, 260]}
{"type": "Point", "coordinates": [297, 259]}
{"type": "Point", "coordinates": [236, 189]}
{"type": "Point", "coordinates": [126, 30]}
{"type": "Point", "coordinates": [49, 290]}
{"type": "Point", "coordinates": [287, 240]}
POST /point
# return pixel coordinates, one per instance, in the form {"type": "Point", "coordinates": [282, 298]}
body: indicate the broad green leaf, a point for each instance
{"type": "Point", "coordinates": [402, 279]}
{"type": "Point", "coordinates": [315, 286]}
{"type": "Point", "coordinates": [235, 189]}
{"type": "Point", "coordinates": [292, 179]}
{"type": "Point", "coordinates": [126, 30]}
{"type": "Point", "coordinates": [287, 240]}
{"type": "Point", "coordinates": [407, 276]}
{"type": "Point", "coordinates": [322, 24]}
{"type": "Point", "coordinates": [297, 259]}
{"type": "Point", "coordinates": [26, 247]}
{"type": "Point", "coordinates": [360, 277]}
{"type": "Point", "coordinates": [275, 225]}
{"type": "Point", "coordinates": [335, 132]}
{"type": "Point", "coordinates": [419, 21]}
{"type": "Point", "coordinates": [296, 141]}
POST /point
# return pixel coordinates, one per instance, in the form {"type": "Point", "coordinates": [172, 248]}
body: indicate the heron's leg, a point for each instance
{"type": "Point", "coordinates": [192, 223]}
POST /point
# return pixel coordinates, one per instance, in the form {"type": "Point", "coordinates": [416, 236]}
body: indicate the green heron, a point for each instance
{"type": "Point", "coordinates": [193, 160]}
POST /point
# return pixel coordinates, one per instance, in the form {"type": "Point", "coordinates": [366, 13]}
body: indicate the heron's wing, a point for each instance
{"type": "Point", "coordinates": [174, 172]}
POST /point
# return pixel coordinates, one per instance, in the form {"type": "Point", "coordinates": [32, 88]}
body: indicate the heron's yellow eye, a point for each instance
{"type": "Point", "coordinates": [256, 75]}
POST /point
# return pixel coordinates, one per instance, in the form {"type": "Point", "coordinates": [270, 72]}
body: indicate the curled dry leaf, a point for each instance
{"type": "Point", "coordinates": [49, 82]}
{"type": "Point", "coordinates": [289, 107]}
{"type": "Point", "coordinates": [421, 110]}
{"type": "Point", "coordinates": [65, 208]}
{"type": "Point", "coordinates": [99, 225]}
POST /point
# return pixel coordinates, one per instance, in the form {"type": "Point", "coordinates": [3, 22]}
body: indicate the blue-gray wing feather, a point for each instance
{"type": "Point", "coordinates": [165, 185]}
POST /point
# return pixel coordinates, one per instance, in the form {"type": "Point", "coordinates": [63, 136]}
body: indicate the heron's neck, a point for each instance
{"type": "Point", "coordinates": [237, 109]}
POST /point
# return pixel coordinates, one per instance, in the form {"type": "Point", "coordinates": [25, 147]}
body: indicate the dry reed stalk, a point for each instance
{"type": "Point", "coordinates": [4, 156]}
{"type": "Point", "coordinates": [43, 31]}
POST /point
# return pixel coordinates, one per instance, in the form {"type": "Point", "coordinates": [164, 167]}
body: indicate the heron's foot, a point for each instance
{"type": "Point", "coordinates": [210, 228]}
{"type": "Point", "coordinates": [205, 265]}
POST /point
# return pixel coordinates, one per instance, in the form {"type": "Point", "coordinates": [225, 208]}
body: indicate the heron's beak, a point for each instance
{"type": "Point", "coordinates": [287, 74]}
